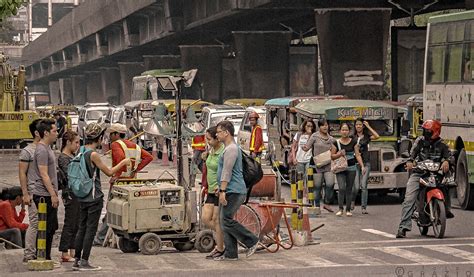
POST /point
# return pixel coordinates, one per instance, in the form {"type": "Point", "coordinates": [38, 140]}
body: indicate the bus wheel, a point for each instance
{"type": "Point", "coordinates": [465, 191]}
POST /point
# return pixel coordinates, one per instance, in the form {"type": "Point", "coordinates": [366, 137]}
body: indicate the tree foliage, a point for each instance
{"type": "Point", "coordinates": [9, 7]}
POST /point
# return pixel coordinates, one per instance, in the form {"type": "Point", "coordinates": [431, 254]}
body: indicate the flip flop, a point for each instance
{"type": "Point", "coordinates": [328, 208]}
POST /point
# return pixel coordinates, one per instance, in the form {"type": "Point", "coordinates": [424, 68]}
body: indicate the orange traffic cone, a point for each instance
{"type": "Point", "coordinates": [164, 157]}
{"type": "Point", "coordinates": [154, 153]}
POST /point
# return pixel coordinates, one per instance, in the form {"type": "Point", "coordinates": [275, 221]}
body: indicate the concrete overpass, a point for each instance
{"type": "Point", "coordinates": [240, 46]}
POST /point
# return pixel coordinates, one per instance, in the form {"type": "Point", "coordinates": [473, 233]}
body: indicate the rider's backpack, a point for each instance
{"type": "Point", "coordinates": [80, 180]}
{"type": "Point", "coordinates": [252, 171]}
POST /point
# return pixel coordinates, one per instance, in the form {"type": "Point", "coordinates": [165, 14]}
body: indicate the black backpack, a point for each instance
{"type": "Point", "coordinates": [252, 171]}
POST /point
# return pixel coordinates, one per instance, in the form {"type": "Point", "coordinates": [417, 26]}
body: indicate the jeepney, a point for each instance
{"type": "Point", "coordinates": [387, 167]}
{"type": "Point", "coordinates": [246, 102]}
{"type": "Point", "coordinates": [91, 112]}
{"type": "Point", "coordinates": [415, 114]}
{"type": "Point", "coordinates": [282, 125]}
{"type": "Point", "coordinates": [137, 116]}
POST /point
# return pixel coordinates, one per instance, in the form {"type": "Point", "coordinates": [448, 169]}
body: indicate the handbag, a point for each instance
{"type": "Point", "coordinates": [339, 164]}
{"type": "Point", "coordinates": [322, 159]}
{"type": "Point", "coordinates": [294, 148]}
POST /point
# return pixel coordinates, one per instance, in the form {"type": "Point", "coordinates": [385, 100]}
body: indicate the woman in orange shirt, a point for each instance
{"type": "Point", "coordinates": [11, 226]}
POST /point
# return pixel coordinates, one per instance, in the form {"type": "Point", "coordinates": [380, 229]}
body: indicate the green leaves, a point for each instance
{"type": "Point", "coordinates": [10, 7]}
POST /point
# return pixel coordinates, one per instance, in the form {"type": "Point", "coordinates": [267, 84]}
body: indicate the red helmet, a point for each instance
{"type": "Point", "coordinates": [254, 115]}
{"type": "Point", "coordinates": [434, 126]}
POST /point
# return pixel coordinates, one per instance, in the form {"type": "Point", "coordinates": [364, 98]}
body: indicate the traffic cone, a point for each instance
{"type": "Point", "coordinates": [154, 153]}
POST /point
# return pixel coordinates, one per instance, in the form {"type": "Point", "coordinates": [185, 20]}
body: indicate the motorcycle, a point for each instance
{"type": "Point", "coordinates": [433, 214]}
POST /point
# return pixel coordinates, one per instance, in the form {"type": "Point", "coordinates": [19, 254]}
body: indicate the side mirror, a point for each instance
{"type": "Point", "coordinates": [81, 119]}
{"type": "Point", "coordinates": [405, 126]}
{"type": "Point", "coordinates": [107, 121]}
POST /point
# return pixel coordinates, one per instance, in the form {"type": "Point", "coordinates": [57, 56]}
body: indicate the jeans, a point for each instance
{"type": "Point", "coordinates": [318, 186]}
{"type": "Point", "coordinates": [88, 221]}
{"type": "Point", "coordinates": [12, 235]}
{"type": "Point", "coordinates": [31, 232]}
{"type": "Point", "coordinates": [361, 181]}
{"type": "Point", "coordinates": [345, 182]}
{"type": "Point", "coordinates": [51, 222]}
{"type": "Point", "coordinates": [408, 206]}
{"type": "Point", "coordinates": [71, 222]}
{"type": "Point", "coordinates": [232, 229]}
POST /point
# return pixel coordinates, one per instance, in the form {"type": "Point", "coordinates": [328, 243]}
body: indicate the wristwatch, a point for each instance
{"type": "Point", "coordinates": [222, 190]}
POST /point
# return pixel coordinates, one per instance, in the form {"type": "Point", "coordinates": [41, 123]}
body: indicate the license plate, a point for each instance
{"type": "Point", "coordinates": [375, 180]}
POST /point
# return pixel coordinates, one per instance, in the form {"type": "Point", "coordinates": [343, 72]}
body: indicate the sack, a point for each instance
{"type": "Point", "coordinates": [322, 159]}
{"type": "Point", "coordinates": [80, 180]}
{"type": "Point", "coordinates": [252, 171]}
{"type": "Point", "coordinates": [339, 164]}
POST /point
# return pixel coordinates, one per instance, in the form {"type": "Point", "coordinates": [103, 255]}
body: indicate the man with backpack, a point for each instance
{"type": "Point", "coordinates": [84, 181]}
{"type": "Point", "coordinates": [232, 194]}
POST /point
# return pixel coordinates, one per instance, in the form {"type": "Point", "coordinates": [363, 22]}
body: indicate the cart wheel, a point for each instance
{"type": "Point", "coordinates": [249, 219]}
{"type": "Point", "coordinates": [205, 241]}
{"type": "Point", "coordinates": [150, 244]}
{"type": "Point", "coordinates": [183, 246]}
{"type": "Point", "coordinates": [127, 246]}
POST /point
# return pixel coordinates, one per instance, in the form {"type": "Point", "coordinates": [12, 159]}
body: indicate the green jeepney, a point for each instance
{"type": "Point", "coordinates": [387, 167]}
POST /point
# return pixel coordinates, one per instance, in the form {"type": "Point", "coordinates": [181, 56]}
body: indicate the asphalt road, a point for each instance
{"type": "Point", "coordinates": [363, 245]}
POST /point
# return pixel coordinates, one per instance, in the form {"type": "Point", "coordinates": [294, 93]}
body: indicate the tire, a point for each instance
{"type": "Point", "coordinates": [423, 230]}
{"type": "Point", "coordinates": [464, 190]}
{"type": "Point", "coordinates": [127, 246]}
{"type": "Point", "coordinates": [183, 246]}
{"type": "Point", "coordinates": [439, 223]}
{"type": "Point", "coordinates": [204, 242]}
{"type": "Point", "coordinates": [150, 244]}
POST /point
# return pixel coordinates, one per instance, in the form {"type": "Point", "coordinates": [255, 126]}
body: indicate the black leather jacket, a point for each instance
{"type": "Point", "coordinates": [436, 151]}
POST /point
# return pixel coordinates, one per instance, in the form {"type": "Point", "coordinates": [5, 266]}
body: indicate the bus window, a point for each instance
{"type": "Point", "coordinates": [468, 60]}
{"type": "Point", "coordinates": [438, 33]}
{"type": "Point", "coordinates": [435, 65]}
{"type": "Point", "coordinates": [456, 31]}
{"type": "Point", "coordinates": [454, 63]}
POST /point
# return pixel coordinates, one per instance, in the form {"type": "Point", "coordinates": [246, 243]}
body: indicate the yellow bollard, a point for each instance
{"type": "Point", "coordinates": [41, 263]}
{"type": "Point", "coordinates": [311, 195]}
{"type": "Point", "coordinates": [294, 198]}
{"type": "Point", "coordinates": [300, 200]}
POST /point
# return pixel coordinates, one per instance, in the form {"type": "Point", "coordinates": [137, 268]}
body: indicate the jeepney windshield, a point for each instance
{"type": "Point", "coordinates": [384, 128]}
{"type": "Point", "coordinates": [147, 113]}
{"type": "Point", "coordinates": [93, 115]}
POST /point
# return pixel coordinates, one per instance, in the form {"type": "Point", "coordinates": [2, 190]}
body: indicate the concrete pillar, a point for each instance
{"type": "Point", "coordinates": [128, 70]}
{"type": "Point", "coordinates": [79, 89]}
{"type": "Point", "coordinates": [208, 60]}
{"type": "Point", "coordinates": [65, 86]}
{"type": "Point", "coordinates": [353, 47]}
{"type": "Point", "coordinates": [94, 90]}
{"type": "Point", "coordinates": [110, 78]}
{"type": "Point", "coordinates": [54, 92]}
{"type": "Point", "coordinates": [161, 61]}
{"type": "Point", "coordinates": [262, 63]}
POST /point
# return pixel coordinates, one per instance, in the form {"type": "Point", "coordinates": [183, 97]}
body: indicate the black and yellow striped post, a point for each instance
{"type": "Point", "coordinates": [294, 198]}
{"type": "Point", "coordinates": [300, 200]}
{"type": "Point", "coordinates": [311, 192]}
{"type": "Point", "coordinates": [41, 263]}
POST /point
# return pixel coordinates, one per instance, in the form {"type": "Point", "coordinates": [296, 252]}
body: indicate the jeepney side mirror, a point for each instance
{"type": "Point", "coordinates": [405, 126]}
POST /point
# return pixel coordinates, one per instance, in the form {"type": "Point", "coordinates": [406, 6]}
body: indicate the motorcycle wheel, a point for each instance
{"type": "Point", "coordinates": [439, 222]}
{"type": "Point", "coordinates": [423, 230]}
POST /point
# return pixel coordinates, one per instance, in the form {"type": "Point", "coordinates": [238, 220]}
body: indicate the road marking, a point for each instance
{"type": "Point", "coordinates": [409, 240]}
{"type": "Point", "coordinates": [452, 251]}
{"type": "Point", "coordinates": [409, 255]}
{"type": "Point", "coordinates": [381, 233]}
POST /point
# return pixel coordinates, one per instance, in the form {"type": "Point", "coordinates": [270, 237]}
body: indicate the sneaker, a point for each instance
{"type": "Point", "coordinates": [86, 266]}
{"type": "Point", "coordinates": [364, 211]}
{"type": "Point", "coordinates": [317, 210]}
{"type": "Point", "coordinates": [252, 250]}
{"type": "Point", "coordinates": [353, 205]}
{"type": "Point", "coordinates": [224, 258]}
{"type": "Point", "coordinates": [402, 233]}
{"type": "Point", "coordinates": [339, 213]}
{"type": "Point", "coordinates": [75, 265]}
{"type": "Point", "coordinates": [348, 214]}
{"type": "Point", "coordinates": [214, 254]}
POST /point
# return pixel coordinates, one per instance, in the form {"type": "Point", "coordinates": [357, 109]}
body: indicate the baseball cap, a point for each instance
{"type": "Point", "coordinates": [118, 128]}
{"type": "Point", "coordinates": [93, 130]}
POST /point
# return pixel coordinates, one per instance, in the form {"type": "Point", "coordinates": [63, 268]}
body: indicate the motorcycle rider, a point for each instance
{"type": "Point", "coordinates": [429, 146]}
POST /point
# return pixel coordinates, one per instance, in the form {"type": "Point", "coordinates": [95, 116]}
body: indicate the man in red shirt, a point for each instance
{"type": "Point", "coordinates": [11, 226]}
{"type": "Point", "coordinates": [256, 138]}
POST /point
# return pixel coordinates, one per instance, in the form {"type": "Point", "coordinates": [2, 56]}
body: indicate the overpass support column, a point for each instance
{"type": "Point", "coordinates": [161, 61]}
{"type": "Point", "coordinates": [128, 70]}
{"type": "Point", "coordinates": [262, 63]}
{"type": "Point", "coordinates": [54, 92]}
{"type": "Point", "coordinates": [94, 92]}
{"type": "Point", "coordinates": [65, 86]}
{"type": "Point", "coordinates": [353, 47]}
{"type": "Point", "coordinates": [111, 84]}
{"type": "Point", "coordinates": [79, 89]}
{"type": "Point", "coordinates": [208, 60]}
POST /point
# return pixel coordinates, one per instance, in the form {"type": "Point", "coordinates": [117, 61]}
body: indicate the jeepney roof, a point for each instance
{"type": "Point", "coordinates": [139, 103]}
{"type": "Point", "coordinates": [170, 103]}
{"type": "Point", "coordinates": [348, 109]}
{"type": "Point", "coordinates": [246, 101]}
{"type": "Point", "coordinates": [415, 100]}
{"type": "Point", "coordinates": [163, 72]}
{"type": "Point", "coordinates": [294, 100]}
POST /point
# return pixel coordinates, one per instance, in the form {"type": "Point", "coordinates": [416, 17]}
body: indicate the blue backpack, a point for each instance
{"type": "Point", "coordinates": [80, 180]}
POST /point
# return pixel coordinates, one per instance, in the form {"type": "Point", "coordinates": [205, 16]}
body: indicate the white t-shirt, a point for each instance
{"type": "Point", "coordinates": [301, 155]}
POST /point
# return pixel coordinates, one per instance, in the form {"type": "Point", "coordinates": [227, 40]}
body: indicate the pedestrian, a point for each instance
{"type": "Point", "coordinates": [210, 211]}
{"type": "Point", "coordinates": [91, 205]}
{"type": "Point", "coordinates": [12, 227]}
{"type": "Point", "coordinates": [25, 170]}
{"type": "Point", "coordinates": [121, 149]}
{"type": "Point", "coordinates": [45, 178]}
{"type": "Point", "coordinates": [61, 124]}
{"type": "Point", "coordinates": [346, 147]}
{"type": "Point", "coordinates": [364, 134]}
{"type": "Point", "coordinates": [256, 146]}
{"type": "Point", "coordinates": [68, 121]}
{"type": "Point", "coordinates": [70, 144]}
{"type": "Point", "coordinates": [232, 194]}
{"type": "Point", "coordinates": [321, 142]}
{"type": "Point", "coordinates": [300, 156]}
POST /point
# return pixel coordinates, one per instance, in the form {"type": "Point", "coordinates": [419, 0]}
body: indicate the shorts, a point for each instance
{"type": "Point", "coordinates": [212, 199]}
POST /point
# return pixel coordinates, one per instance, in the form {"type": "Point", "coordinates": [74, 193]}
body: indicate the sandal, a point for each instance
{"type": "Point", "coordinates": [214, 254]}
{"type": "Point", "coordinates": [328, 208]}
{"type": "Point", "coordinates": [67, 259]}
